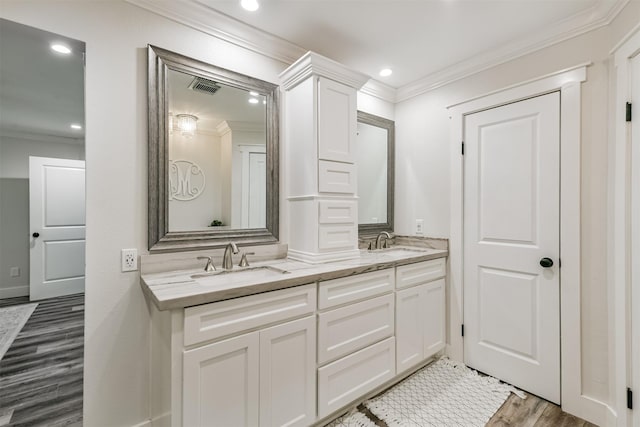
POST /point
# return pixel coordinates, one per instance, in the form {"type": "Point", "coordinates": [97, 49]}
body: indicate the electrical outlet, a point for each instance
{"type": "Point", "coordinates": [129, 259]}
{"type": "Point", "coordinates": [419, 226]}
{"type": "Point", "coordinates": [14, 272]}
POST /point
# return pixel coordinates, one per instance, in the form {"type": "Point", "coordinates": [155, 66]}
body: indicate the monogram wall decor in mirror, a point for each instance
{"type": "Point", "coordinates": [213, 155]}
{"type": "Point", "coordinates": [375, 157]}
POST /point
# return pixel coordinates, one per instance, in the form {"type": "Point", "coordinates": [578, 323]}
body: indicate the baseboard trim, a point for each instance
{"type": "Point", "coordinates": [14, 292]}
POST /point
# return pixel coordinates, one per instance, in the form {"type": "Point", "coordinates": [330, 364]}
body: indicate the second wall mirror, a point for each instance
{"type": "Point", "coordinates": [213, 155]}
{"type": "Point", "coordinates": [376, 171]}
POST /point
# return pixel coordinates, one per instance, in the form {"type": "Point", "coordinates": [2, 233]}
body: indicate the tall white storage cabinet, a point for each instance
{"type": "Point", "coordinates": [320, 130]}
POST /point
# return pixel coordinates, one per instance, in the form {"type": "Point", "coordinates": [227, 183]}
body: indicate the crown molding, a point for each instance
{"type": "Point", "coordinates": [40, 137]}
{"type": "Point", "coordinates": [379, 90]}
{"type": "Point", "coordinates": [591, 19]}
{"type": "Point", "coordinates": [315, 64]}
{"type": "Point", "coordinates": [201, 17]}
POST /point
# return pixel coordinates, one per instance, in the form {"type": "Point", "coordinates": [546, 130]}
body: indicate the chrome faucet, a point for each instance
{"type": "Point", "coordinates": [227, 260]}
{"type": "Point", "coordinates": [209, 266]}
{"type": "Point", "coordinates": [382, 235]}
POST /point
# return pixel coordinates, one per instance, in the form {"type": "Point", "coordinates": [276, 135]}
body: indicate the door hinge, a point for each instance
{"type": "Point", "coordinates": [463, 148]}
{"type": "Point", "coordinates": [629, 398]}
{"type": "Point", "coordinates": [628, 111]}
{"type": "Point", "coordinates": [462, 330]}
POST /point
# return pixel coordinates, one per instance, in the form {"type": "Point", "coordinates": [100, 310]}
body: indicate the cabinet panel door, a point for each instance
{"type": "Point", "coordinates": [288, 374]}
{"type": "Point", "coordinates": [434, 309]}
{"type": "Point", "coordinates": [410, 327]}
{"type": "Point", "coordinates": [220, 383]}
{"type": "Point", "coordinates": [337, 121]}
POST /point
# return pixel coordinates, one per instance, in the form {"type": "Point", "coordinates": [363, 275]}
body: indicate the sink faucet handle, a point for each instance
{"type": "Point", "coordinates": [243, 260]}
{"type": "Point", "coordinates": [209, 266]}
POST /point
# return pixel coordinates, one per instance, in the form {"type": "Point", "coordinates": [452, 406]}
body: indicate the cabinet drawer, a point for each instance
{"type": "Point", "coordinates": [334, 177]}
{"type": "Point", "coordinates": [219, 319]}
{"type": "Point", "coordinates": [421, 272]}
{"type": "Point", "coordinates": [347, 329]}
{"type": "Point", "coordinates": [347, 379]}
{"type": "Point", "coordinates": [337, 212]}
{"type": "Point", "coordinates": [337, 236]}
{"type": "Point", "coordinates": [332, 293]}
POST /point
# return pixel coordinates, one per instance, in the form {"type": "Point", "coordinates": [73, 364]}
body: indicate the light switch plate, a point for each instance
{"type": "Point", "coordinates": [14, 272]}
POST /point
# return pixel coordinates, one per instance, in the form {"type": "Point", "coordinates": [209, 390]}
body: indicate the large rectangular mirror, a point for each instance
{"type": "Point", "coordinates": [213, 155]}
{"type": "Point", "coordinates": [376, 162]}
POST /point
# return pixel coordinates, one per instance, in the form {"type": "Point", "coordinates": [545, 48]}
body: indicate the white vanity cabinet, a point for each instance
{"type": "Point", "coordinates": [295, 356]}
{"type": "Point", "coordinates": [420, 312]}
{"type": "Point", "coordinates": [264, 377]}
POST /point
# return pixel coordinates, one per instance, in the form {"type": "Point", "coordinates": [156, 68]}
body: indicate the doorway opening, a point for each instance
{"type": "Point", "coordinates": [42, 225]}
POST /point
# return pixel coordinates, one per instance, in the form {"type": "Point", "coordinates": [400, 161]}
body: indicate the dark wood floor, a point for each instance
{"type": "Point", "coordinates": [41, 373]}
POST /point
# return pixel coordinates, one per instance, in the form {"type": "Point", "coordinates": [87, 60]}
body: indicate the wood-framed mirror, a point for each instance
{"type": "Point", "coordinates": [213, 155]}
{"type": "Point", "coordinates": [375, 150]}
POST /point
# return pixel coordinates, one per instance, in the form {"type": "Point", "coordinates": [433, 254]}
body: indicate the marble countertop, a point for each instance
{"type": "Point", "coordinates": [178, 289]}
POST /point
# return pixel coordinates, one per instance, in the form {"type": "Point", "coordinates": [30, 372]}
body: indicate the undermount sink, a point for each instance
{"type": "Point", "coordinates": [243, 273]}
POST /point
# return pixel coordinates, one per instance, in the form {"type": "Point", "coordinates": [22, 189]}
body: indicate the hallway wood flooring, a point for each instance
{"type": "Point", "coordinates": [41, 373]}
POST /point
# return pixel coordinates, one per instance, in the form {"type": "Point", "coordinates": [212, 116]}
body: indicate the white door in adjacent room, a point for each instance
{"type": "Point", "coordinates": [512, 244]}
{"type": "Point", "coordinates": [57, 224]}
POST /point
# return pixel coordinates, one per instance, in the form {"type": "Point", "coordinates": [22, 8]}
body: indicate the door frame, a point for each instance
{"type": "Point", "coordinates": [624, 205]}
{"type": "Point", "coordinates": [567, 82]}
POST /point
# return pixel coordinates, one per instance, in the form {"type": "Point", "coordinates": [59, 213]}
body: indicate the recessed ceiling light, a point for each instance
{"type": "Point", "coordinates": [60, 48]}
{"type": "Point", "coordinates": [386, 72]}
{"type": "Point", "coordinates": [252, 93]}
{"type": "Point", "coordinates": [264, 101]}
{"type": "Point", "coordinates": [250, 5]}
{"type": "Point", "coordinates": [253, 101]}
{"type": "Point", "coordinates": [76, 126]}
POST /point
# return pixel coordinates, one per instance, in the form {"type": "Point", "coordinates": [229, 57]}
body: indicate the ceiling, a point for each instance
{"type": "Point", "coordinates": [227, 104]}
{"type": "Point", "coordinates": [41, 91]}
{"type": "Point", "coordinates": [416, 38]}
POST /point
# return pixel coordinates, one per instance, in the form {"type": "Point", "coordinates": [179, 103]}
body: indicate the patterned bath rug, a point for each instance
{"type": "Point", "coordinates": [352, 419]}
{"type": "Point", "coordinates": [445, 393]}
{"type": "Point", "coordinates": [12, 319]}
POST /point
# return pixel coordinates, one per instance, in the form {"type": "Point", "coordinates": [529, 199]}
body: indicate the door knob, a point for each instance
{"type": "Point", "coordinates": [546, 262]}
{"type": "Point", "coordinates": [36, 234]}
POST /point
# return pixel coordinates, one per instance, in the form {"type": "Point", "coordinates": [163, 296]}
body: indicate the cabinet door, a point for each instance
{"type": "Point", "coordinates": [410, 327]}
{"type": "Point", "coordinates": [287, 374]}
{"type": "Point", "coordinates": [221, 383]}
{"type": "Point", "coordinates": [337, 121]}
{"type": "Point", "coordinates": [434, 309]}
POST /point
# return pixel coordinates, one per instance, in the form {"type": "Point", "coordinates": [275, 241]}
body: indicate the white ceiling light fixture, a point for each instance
{"type": "Point", "coordinates": [386, 72]}
{"type": "Point", "coordinates": [253, 101]}
{"type": "Point", "coordinates": [250, 5]}
{"type": "Point", "coordinates": [60, 48]}
{"type": "Point", "coordinates": [187, 124]}
{"type": "Point", "coordinates": [253, 93]}
{"type": "Point", "coordinates": [75, 126]}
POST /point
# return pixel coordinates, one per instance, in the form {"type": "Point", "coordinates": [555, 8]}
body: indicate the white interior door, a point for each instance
{"type": "Point", "coordinates": [57, 223]}
{"type": "Point", "coordinates": [257, 190]}
{"type": "Point", "coordinates": [512, 222]}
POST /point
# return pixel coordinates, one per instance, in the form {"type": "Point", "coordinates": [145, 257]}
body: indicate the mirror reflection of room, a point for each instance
{"type": "Point", "coordinates": [371, 158]}
{"type": "Point", "coordinates": [217, 155]}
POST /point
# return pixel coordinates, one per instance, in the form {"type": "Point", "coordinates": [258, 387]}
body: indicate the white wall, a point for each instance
{"type": "Point", "coordinates": [14, 203]}
{"type": "Point", "coordinates": [422, 167]}
{"type": "Point", "coordinates": [117, 328]}
{"type": "Point", "coordinates": [202, 149]}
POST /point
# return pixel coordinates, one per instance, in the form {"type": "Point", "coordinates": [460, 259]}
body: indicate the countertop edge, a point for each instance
{"type": "Point", "coordinates": [273, 285]}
